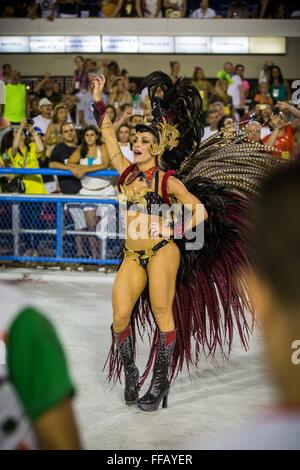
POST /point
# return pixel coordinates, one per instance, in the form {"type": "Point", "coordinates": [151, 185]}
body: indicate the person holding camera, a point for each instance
{"type": "Point", "coordinates": [25, 147]}
{"type": "Point", "coordinates": [285, 106]}
{"type": "Point", "coordinates": [227, 127]}
{"type": "Point", "coordinates": [282, 137]}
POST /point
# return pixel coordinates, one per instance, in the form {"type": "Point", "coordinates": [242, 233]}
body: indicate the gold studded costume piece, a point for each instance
{"type": "Point", "coordinates": [235, 163]}
{"type": "Point", "coordinates": [142, 257]}
{"type": "Point", "coordinates": [168, 139]}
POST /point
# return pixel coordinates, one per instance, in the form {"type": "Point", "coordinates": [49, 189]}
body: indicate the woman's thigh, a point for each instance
{"type": "Point", "coordinates": [129, 284]}
{"type": "Point", "coordinates": [162, 272]}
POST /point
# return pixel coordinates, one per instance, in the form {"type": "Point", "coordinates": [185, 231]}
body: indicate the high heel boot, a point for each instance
{"type": "Point", "coordinates": [124, 344]}
{"type": "Point", "coordinates": [160, 386]}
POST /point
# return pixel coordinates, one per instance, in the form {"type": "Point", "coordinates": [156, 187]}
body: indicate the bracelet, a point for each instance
{"type": "Point", "coordinates": [99, 111]}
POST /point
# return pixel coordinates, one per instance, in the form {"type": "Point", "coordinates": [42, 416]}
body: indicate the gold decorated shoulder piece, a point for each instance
{"type": "Point", "coordinates": [136, 198]}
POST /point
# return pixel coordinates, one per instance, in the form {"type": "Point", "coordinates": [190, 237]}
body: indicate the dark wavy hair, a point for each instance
{"type": "Point", "coordinates": [281, 79]}
{"type": "Point", "coordinates": [7, 142]}
{"type": "Point", "coordinates": [84, 146]}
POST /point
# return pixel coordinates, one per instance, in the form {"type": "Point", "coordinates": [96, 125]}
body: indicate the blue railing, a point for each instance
{"type": "Point", "coordinates": [50, 171]}
{"type": "Point", "coordinates": [54, 229]}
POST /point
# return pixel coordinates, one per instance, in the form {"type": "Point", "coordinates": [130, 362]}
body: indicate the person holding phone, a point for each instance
{"type": "Point", "coordinates": [282, 137]}
{"type": "Point", "coordinates": [25, 148]}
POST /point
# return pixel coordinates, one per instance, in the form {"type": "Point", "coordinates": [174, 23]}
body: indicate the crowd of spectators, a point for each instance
{"type": "Point", "coordinates": [46, 126]}
{"type": "Point", "coordinates": [201, 9]}
{"type": "Point", "coordinates": [39, 115]}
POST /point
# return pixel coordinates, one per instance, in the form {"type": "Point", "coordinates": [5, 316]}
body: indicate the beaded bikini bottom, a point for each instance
{"type": "Point", "coordinates": [142, 257]}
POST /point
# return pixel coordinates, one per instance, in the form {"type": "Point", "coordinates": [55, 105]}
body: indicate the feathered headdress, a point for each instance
{"type": "Point", "coordinates": [177, 119]}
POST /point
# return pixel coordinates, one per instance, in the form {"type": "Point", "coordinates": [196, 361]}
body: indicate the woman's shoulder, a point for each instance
{"type": "Point", "coordinates": [169, 172]}
{"type": "Point", "coordinates": [167, 177]}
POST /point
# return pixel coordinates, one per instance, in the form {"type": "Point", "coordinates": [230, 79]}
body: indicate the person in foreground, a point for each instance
{"type": "Point", "coordinates": [162, 275]}
{"type": "Point", "coordinates": [274, 284]}
{"type": "Point", "coordinates": [35, 387]}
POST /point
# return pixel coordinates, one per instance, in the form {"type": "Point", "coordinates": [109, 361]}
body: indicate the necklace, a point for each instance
{"type": "Point", "coordinates": [146, 175]}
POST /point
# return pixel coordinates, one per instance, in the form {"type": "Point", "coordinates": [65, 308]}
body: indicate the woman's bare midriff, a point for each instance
{"type": "Point", "coordinates": [138, 235]}
{"type": "Point", "coordinates": [135, 240]}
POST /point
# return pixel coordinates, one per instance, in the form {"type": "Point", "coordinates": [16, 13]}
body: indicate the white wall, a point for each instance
{"type": "Point", "coordinates": [138, 65]}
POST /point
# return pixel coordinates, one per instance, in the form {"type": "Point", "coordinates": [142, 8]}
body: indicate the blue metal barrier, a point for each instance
{"type": "Point", "coordinates": [57, 228]}
{"type": "Point", "coordinates": [51, 171]}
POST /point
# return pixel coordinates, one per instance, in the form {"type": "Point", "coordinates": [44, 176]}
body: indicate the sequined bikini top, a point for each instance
{"type": "Point", "coordinates": [146, 201]}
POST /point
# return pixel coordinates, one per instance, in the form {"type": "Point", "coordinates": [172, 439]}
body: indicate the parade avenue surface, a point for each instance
{"type": "Point", "coordinates": [221, 396]}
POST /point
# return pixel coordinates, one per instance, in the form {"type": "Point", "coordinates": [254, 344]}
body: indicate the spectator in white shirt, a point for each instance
{"type": "Point", "coordinates": [235, 89]}
{"type": "Point", "coordinates": [212, 121]}
{"type": "Point", "coordinates": [296, 13]}
{"type": "Point", "coordinates": [47, 9]}
{"type": "Point", "coordinates": [43, 120]}
{"type": "Point", "coordinates": [123, 136]}
{"type": "Point", "coordinates": [265, 73]}
{"type": "Point", "coordinates": [85, 110]}
{"type": "Point", "coordinates": [204, 11]}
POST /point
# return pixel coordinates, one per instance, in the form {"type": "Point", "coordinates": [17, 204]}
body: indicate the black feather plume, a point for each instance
{"type": "Point", "coordinates": [179, 103]}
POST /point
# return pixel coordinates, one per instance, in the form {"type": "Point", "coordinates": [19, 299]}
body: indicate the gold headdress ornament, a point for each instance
{"type": "Point", "coordinates": [168, 138]}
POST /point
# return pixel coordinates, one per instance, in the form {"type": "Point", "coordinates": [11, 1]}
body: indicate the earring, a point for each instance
{"type": "Point", "coordinates": [155, 150]}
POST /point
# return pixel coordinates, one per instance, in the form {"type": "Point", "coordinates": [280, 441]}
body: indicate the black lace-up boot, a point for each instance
{"type": "Point", "coordinates": [160, 386]}
{"type": "Point", "coordinates": [124, 344]}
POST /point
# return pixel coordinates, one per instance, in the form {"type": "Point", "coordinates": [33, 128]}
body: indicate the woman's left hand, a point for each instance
{"type": "Point", "coordinates": [158, 230]}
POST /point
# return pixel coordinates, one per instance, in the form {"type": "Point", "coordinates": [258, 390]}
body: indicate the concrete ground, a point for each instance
{"type": "Point", "coordinates": [213, 401]}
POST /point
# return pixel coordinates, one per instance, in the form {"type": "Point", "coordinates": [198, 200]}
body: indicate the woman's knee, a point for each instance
{"type": "Point", "coordinates": [161, 310]}
{"type": "Point", "coordinates": [121, 316]}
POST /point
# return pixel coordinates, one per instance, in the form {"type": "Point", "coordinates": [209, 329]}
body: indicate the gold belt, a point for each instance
{"type": "Point", "coordinates": [148, 253]}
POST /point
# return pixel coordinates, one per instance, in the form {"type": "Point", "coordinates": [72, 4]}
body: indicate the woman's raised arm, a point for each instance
{"type": "Point", "coordinates": [106, 127]}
